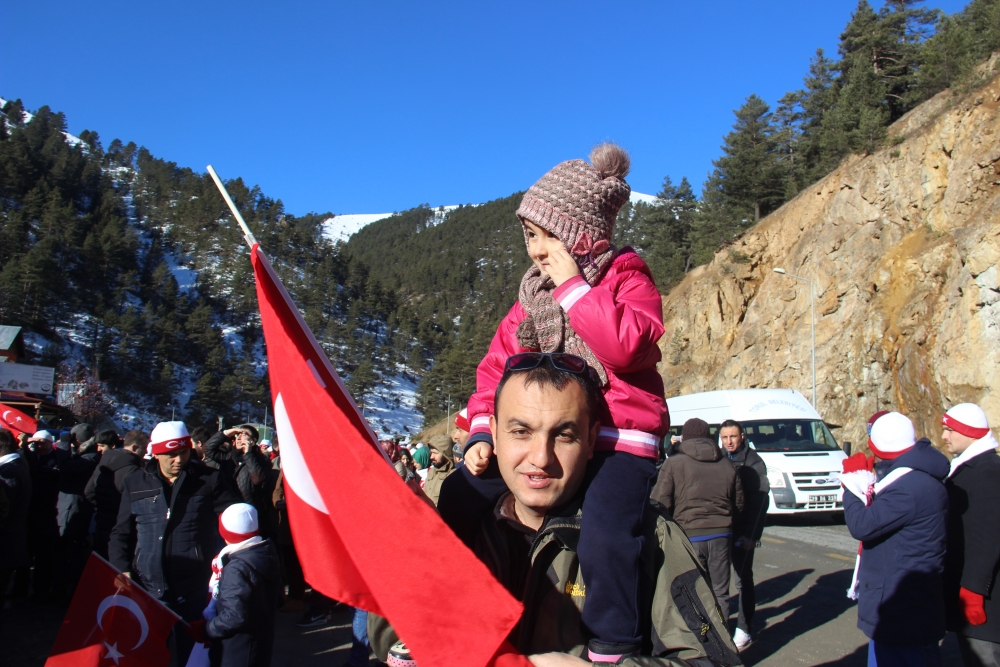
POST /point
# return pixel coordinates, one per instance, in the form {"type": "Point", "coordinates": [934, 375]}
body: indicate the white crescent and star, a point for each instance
{"type": "Point", "coordinates": [130, 605]}
{"type": "Point", "coordinates": [296, 469]}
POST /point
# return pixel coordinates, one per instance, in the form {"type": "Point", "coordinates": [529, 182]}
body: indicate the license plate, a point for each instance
{"type": "Point", "coordinates": [823, 499]}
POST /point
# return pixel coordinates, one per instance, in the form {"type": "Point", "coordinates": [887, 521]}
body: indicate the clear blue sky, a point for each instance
{"type": "Point", "coordinates": [355, 107]}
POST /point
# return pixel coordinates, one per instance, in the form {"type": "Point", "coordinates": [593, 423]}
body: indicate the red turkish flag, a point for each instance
{"type": "Point", "coordinates": [112, 621]}
{"type": "Point", "coordinates": [354, 520]}
{"type": "Point", "coordinates": [16, 421]}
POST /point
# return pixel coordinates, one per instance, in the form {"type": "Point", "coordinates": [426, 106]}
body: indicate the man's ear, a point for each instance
{"type": "Point", "coordinates": [493, 429]}
{"type": "Point", "coordinates": [595, 431]}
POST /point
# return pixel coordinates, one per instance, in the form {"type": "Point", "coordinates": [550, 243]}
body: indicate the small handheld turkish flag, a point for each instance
{"type": "Point", "coordinates": [112, 621]}
{"type": "Point", "coordinates": [16, 421]}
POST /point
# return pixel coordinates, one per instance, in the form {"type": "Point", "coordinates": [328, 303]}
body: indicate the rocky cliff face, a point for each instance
{"type": "Point", "coordinates": [903, 247]}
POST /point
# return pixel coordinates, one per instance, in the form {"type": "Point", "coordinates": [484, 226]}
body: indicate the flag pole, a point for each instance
{"type": "Point", "coordinates": [247, 234]}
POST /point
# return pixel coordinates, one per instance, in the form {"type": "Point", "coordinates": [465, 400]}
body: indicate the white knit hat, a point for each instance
{"type": "Point", "coordinates": [169, 437]}
{"type": "Point", "coordinates": [238, 522]}
{"type": "Point", "coordinates": [892, 434]}
{"type": "Point", "coordinates": [43, 435]}
{"type": "Point", "coordinates": [967, 419]}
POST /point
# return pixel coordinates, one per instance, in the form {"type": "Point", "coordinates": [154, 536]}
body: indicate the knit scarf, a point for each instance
{"type": "Point", "coordinates": [546, 326]}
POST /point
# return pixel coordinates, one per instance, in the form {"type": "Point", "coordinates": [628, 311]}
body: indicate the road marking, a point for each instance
{"type": "Point", "coordinates": [839, 557]}
{"type": "Point", "coordinates": [772, 540]}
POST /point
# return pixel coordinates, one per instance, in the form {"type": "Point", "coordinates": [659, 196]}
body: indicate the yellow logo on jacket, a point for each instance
{"type": "Point", "coordinates": [576, 590]}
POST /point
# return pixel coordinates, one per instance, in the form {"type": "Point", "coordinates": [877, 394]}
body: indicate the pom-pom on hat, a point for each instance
{"type": "Point", "coordinates": [169, 437]}
{"type": "Point", "coordinates": [892, 434]}
{"type": "Point", "coordinates": [462, 420]}
{"type": "Point", "coordinates": [238, 522]}
{"type": "Point", "coordinates": [967, 419]}
{"type": "Point", "coordinates": [578, 202]}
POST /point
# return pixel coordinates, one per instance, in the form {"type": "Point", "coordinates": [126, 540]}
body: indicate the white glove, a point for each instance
{"type": "Point", "coordinates": [858, 483]}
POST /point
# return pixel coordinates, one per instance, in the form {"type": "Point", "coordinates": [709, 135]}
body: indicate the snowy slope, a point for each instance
{"type": "Point", "coordinates": [342, 227]}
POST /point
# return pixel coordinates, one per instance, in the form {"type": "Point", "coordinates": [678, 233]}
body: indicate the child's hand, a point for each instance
{"type": "Point", "coordinates": [562, 266]}
{"type": "Point", "coordinates": [478, 457]}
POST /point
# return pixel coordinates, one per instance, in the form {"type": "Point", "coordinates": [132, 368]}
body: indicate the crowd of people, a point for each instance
{"type": "Point", "coordinates": [622, 551]}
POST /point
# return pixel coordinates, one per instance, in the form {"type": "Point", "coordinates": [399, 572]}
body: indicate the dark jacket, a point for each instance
{"type": "Point", "coordinates": [104, 491]}
{"type": "Point", "coordinates": [220, 453]}
{"type": "Point", "coordinates": [43, 524]}
{"type": "Point", "coordinates": [16, 480]}
{"type": "Point", "coordinates": [900, 593]}
{"type": "Point", "coordinates": [175, 528]}
{"type": "Point", "coordinates": [74, 510]}
{"type": "Point", "coordinates": [249, 591]}
{"type": "Point", "coordinates": [683, 623]}
{"type": "Point", "coordinates": [699, 487]}
{"type": "Point", "coordinates": [752, 471]}
{"type": "Point", "coordinates": [974, 543]}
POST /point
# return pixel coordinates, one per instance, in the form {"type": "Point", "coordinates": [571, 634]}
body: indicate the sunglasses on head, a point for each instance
{"type": "Point", "coordinates": [561, 361]}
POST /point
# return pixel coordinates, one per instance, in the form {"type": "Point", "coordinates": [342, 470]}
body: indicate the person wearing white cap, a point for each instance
{"type": "Point", "coordinates": [168, 512]}
{"type": "Point", "coordinates": [245, 590]}
{"type": "Point", "coordinates": [973, 534]}
{"type": "Point", "coordinates": [899, 514]}
{"type": "Point", "coordinates": [45, 462]}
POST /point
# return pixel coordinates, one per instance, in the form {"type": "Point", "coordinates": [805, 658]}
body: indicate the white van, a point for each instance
{"type": "Point", "coordinates": [803, 459]}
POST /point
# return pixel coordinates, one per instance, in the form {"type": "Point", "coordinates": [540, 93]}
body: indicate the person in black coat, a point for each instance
{"type": "Point", "coordinates": [15, 478]}
{"type": "Point", "coordinates": [748, 525]}
{"type": "Point", "coordinates": [104, 489]}
{"type": "Point", "coordinates": [973, 535]}
{"type": "Point", "coordinates": [902, 531]}
{"type": "Point", "coordinates": [245, 594]}
{"type": "Point", "coordinates": [168, 510]}
{"type": "Point", "coordinates": [235, 452]}
{"type": "Point", "coordinates": [75, 512]}
{"type": "Point", "coordinates": [44, 462]}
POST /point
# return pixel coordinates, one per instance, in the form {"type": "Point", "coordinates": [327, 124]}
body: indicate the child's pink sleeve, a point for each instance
{"type": "Point", "coordinates": [488, 375]}
{"type": "Point", "coordinates": [620, 327]}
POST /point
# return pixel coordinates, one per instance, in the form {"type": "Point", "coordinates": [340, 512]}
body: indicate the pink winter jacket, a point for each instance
{"type": "Point", "coordinates": [620, 319]}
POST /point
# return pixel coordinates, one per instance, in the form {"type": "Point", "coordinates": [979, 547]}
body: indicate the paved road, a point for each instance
{"type": "Point", "coordinates": [804, 617]}
{"type": "Point", "coordinates": [803, 570]}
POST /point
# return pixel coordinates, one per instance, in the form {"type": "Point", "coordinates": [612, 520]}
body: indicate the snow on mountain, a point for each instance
{"type": "Point", "coordinates": [637, 197]}
{"type": "Point", "coordinates": [342, 227]}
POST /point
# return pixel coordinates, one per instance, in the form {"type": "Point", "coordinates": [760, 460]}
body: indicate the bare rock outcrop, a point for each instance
{"type": "Point", "coordinates": [903, 248]}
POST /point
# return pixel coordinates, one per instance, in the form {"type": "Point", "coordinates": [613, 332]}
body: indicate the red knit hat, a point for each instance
{"type": "Point", "coordinates": [238, 522]}
{"type": "Point", "coordinates": [168, 437]}
{"type": "Point", "coordinates": [892, 435]}
{"type": "Point", "coordinates": [462, 420]}
{"type": "Point", "coordinates": [967, 419]}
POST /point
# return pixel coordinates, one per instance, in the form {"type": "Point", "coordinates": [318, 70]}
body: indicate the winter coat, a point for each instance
{"type": "Point", "coordinates": [104, 491]}
{"type": "Point", "coordinates": [973, 557]}
{"type": "Point", "coordinates": [220, 453]}
{"type": "Point", "coordinates": [283, 533]}
{"type": "Point", "coordinates": [249, 592]}
{"type": "Point", "coordinates": [175, 528]}
{"type": "Point", "coordinates": [699, 487]}
{"type": "Point", "coordinates": [684, 624]}
{"type": "Point", "coordinates": [43, 521]}
{"type": "Point", "coordinates": [435, 478]}
{"type": "Point", "coordinates": [620, 320]}
{"type": "Point", "coordinates": [752, 471]}
{"type": "Point", "coordinates": [16, 481]}
{"type": "Point", "coordinates": [903, 534]}
{"type": "Point", "coordinates": [74, 510]}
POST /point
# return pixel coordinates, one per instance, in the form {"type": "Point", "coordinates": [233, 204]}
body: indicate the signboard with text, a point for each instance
{"type": "Point", "coordinates": [29, 379]}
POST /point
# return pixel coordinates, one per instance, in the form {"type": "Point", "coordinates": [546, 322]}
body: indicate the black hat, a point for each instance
{"type": "Point", "coordinates": [694, 428]}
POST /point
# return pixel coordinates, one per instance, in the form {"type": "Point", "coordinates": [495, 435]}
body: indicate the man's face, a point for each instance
{"type": "Point", "coordinates": [101, 448]}
{"type": "Point", "coordinates": [955, 442]}
{"type": "Point", "coordinates": [199, 447]}
{"type": "Point", "coordinates": [437, 458]}
{"type": "Point", "coordinates": [461, 436]}
{"type": "Point", "coordinates": [731, 438]}
{"type": "Point", "coordinates": [172, 463]}
{"type": "Point", "coordinates": [41, 446]}
{"type": "Point", "coordinates": [543, 439]}
{"type": "Point", "coordinates": [242, 441]}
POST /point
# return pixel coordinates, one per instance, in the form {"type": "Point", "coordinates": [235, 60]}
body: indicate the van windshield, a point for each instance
{"type": "Point", "coordinates": [789, 435]}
